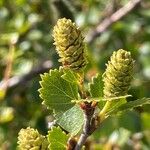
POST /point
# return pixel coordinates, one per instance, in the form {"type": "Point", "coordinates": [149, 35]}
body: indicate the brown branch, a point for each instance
{"type": "Point", "coordinates": [8, 69]}
{"type": "Point", "coordinates": [89, 123]}
{"type": "Point", "coordinates": [107, 22]}
{"type": "Point", "coordinates": [16, 80]}
{"type": "Point", "coordinates": [85, 134]}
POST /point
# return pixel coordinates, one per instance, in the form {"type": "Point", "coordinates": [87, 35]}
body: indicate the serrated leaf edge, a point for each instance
{"type": "Point", "coordinates": [52, 130]}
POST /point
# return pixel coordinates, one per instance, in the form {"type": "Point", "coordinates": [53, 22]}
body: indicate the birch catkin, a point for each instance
{"type": "Point", "coordinates": [118, 74]}
{"type": "Point", "coordinates": [30, 139]}
{"type": "Point", "coordinates": [69, 44]}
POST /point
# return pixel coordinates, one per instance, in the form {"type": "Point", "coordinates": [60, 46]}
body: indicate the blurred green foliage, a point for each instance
{"type": "Point", "coordinates": [28, 25]}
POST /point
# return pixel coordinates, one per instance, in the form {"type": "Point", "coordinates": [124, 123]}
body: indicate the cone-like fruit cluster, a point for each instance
{"type": "Point", "coordinates": [30, 139]}
{"type": "Point", "coordinates": [118, 74]}
{"type": "Point", "coordinates": [69, 44]}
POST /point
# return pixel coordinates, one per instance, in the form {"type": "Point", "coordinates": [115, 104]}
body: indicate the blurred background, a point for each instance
{"type": "Point", "coordinates": [26, 51]}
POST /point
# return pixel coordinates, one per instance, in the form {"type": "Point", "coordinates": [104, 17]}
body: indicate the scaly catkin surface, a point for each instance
{"type": "Point", "coordinates": [69, 44]}
{"type": "Point", "coordinates": [118, 74]}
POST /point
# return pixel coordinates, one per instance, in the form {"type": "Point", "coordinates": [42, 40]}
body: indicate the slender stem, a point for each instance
{"type": "Point", "coordinates": [91, 123]}
{"type": "Point", "coordinates": [88, 114]}
{"type": "Point", "coordinates": [84, 135]}
{"type": "Point", "coordinates": [8, 70]}
{"type": "Point", "coordinates": [81, 85]}
{"type": "Point", "coordinates": [81, 141]}
{"type": "Point", "coordinates": [104, 110]}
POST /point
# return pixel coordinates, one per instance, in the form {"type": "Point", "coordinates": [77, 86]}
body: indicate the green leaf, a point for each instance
{"type": "Point", "coordinates": [96, 89]}
{"type": "Point", "coordinates": [96, 86]}
{"type": "Point", "coordinates": [116, 102]}
{"type": "Point", "coordinates": [70, 76]}
{"type": "Point", "coordinates": [131, 105]}
{"type": "Point", "coordinates": [57, 139]}
{"type": "Point", "coordinates": [72, 120]}
{"type": "Point", "coordinates": [56, 92]}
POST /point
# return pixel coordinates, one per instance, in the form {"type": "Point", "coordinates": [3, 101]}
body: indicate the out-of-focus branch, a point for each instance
{"type": "Point", "coordinates": [8, 70]}
{"type": "Point", "coordinates": [16, 80]}
{"type": "Point", "coordinates": [107, 22]}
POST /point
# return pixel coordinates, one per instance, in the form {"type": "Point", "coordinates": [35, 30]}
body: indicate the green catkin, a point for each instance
{"type": "Point", "coordinates": [118, 74]}
{"type": "Point", "coordinates": [69, 44]}
{"type": "Point", "coordinates": [30, 139]}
